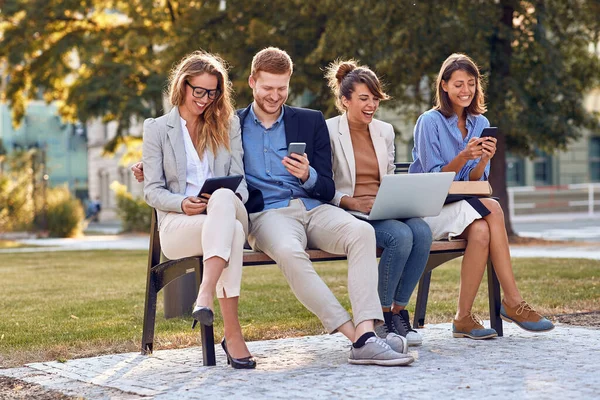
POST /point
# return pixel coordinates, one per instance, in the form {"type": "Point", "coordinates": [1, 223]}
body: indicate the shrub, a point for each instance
{"type": "Point", "coordinates": [16, 192]}
{"type": "Point", "coordinates": [135, 214]}
{"type": "Point", "coordinates": [64, 214]}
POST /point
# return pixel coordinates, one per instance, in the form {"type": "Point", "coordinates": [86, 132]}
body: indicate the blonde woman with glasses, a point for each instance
{"type": "Point", "coordinates": [200, 139]}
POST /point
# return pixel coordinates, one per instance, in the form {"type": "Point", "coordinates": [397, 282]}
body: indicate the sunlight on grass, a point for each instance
{"type": "Point", "coordinates": [74, 304]}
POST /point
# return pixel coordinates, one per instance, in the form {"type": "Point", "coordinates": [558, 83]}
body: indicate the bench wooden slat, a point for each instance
{"type": "Point", "coordinates": [444, 245]}
{"type": "Point", "coordinates": [258, 258]}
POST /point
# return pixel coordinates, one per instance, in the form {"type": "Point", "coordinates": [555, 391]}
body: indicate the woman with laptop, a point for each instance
{"type": "Point", "coordinates": [448, 138]}
{"type": "Point", "coordinates": [200, 139]}
{"type": "Point", "coordinates": [363, 152]}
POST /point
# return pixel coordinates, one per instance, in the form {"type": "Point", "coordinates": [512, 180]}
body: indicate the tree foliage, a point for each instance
{"type": "Point", "coordinates": [134, 212]}
{"type": "Point", "coordinates": [110, 58]}
{"type": "Point", "coordinates": [17, 187]}
{"type": "Point", "coordinates": [65, 215]}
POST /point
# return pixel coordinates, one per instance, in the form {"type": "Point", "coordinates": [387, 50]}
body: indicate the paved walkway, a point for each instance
{"type": "Point", "coordinates": [563, 363]}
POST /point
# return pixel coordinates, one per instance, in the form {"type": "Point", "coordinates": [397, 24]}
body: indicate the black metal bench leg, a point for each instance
{"type": "Point", "coordinates": [208, 346]}
{"type": "Point", "coordinates": [421, 305]}
{"type": "Point", "coordinates": [494, 299]}
{"type": "Point", "coordinates": [149, 318]}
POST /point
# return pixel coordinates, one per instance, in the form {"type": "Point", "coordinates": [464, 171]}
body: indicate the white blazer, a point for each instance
{"type": "Point", "coordinates": [344, 164]}
{"type": "Point", "coordinates": [163, 155]}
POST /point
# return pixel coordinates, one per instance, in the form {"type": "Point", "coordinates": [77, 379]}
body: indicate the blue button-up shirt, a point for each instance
{"type": "Point", "coordinates": [438, 141]}
{"type": "Point", "coordinates": [264, 150]}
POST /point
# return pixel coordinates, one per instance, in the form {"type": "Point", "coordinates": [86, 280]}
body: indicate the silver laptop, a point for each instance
{"type": "Point", "coordinates": [409, 195]}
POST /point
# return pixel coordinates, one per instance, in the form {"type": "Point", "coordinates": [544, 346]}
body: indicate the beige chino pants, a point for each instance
{"type": "Point", "coordinates": [221, 232]}
{"type": "Point", "coordinates": [284, 234]}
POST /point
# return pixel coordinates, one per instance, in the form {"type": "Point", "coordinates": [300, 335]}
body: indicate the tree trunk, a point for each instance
{"type": "Point", "coordinates": [500, 60]}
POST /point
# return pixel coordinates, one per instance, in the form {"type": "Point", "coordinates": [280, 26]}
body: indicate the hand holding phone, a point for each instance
{"type": "Point", "coordinates": [299, 167]}
{"type": "Point", "coordinates": [492, 131]}
{"type": "Point", "coordinates": [488, 142]}
{"type": "Point", "coordinates": [296, 148]}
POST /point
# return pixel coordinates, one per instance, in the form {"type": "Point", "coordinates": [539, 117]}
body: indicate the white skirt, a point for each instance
{"type": "Point", "coordinates": [452, 220]}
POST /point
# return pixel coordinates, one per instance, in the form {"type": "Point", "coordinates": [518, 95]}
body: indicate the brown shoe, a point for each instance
{"type": "Point", "coordinates": [525, 317]}
{"type": "Point", "coordinates": [471, 327]}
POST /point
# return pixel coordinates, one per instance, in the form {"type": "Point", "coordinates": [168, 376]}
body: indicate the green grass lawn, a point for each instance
{"type": "Point", "coordinates": [60, 305]}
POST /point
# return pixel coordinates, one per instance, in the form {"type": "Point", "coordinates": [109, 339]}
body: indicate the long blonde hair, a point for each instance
{"type": "Point", "coordinates": [214, 131]}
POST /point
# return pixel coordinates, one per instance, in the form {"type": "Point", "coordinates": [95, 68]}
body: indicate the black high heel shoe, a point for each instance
{"type": "Point", "coordinates": [238, 363]}
{"type": "Point", "coordinates": [204, 315]}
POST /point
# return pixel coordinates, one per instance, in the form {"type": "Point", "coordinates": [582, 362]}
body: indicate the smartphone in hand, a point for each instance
{"type": "Point", "coordinates": [492, 131]}
{"type": "Point", "coordinates": [296, 148]}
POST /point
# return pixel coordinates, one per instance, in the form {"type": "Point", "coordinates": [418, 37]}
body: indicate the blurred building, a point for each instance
{"type": "Point", "coordinates": [65, 145]}
{"type": "Point", "coordinates": [103, 170]}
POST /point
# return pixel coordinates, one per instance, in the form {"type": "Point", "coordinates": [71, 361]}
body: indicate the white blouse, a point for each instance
{"type": "Point", "coordinates": [197, 171]}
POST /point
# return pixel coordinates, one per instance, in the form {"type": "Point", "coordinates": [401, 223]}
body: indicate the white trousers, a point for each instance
{"type": "Point", "coordinates": [284, 234]}
{"type": "Point", "coordinates": [221, 232]}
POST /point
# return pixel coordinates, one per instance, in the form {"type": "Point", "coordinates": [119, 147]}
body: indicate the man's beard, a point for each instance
{"type": "Point", "coordinates": [261, 104]}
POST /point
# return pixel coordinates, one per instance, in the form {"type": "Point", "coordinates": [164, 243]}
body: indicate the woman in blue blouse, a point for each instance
{"type": "Point", "coordinates": [447, 138]}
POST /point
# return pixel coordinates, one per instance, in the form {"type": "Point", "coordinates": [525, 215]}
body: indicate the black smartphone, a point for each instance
{"type": "Point", "coordinates": [492, 131]}
{"type": "Point", "coordinates": [297, 148]}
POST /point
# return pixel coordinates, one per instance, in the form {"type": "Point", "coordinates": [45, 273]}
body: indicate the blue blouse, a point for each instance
{"type": "Point", "coordinates": [438, 141]}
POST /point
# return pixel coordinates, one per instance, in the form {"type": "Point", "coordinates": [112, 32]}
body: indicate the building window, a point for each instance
{"type": "Point", "coordinates": [595, 158]}
{"type": "Point", "coordinates": [104, 189]}
{"type": "Point", "coordinates": [124, 178]}
{"type": "Point", "coordinates": [515, 170]}
{"type": "Point", "coordinates": [542, 169]}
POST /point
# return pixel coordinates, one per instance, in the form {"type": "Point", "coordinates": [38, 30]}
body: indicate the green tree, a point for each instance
{"type": "Point", "coordinates": [535, 54]}
{"type": "Point", "coordinates": [110, 58]}
{"type": "Point", "coordinates": [17, 184]}
{"type": "Point", "coordinates": [65, 215]}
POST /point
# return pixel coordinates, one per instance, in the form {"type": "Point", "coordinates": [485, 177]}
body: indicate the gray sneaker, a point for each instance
{"type": "Point", "coordinates": [382, 330]}
{"type": "Point", "coordinates": [377, 352]}
{"type": "Point", "coordinates": [398, 343]}
{"type": "Point", "coordinates": [401, 324]}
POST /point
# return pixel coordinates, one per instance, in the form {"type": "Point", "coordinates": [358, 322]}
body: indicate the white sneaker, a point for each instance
{"type": "Point", "coordinates": [414, 338]}
{"type": "Point", "coordinates": [377, 352]}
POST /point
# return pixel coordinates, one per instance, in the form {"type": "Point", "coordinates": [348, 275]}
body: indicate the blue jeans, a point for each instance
{"type": "Point", "coordinates": [405, 245]}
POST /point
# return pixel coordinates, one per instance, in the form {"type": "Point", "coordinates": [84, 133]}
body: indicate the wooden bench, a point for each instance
{"type": "Point", "coordinates": [160, 274]}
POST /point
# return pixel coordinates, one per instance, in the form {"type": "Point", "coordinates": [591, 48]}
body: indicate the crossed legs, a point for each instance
{"type": "Point", "coordinates": [219, 236]}
{"type": "Point", "coordinates": [486, 237]}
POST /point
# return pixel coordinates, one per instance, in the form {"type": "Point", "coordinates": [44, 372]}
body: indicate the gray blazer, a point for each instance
{"type": "Point", "coordinates": [163, 155]}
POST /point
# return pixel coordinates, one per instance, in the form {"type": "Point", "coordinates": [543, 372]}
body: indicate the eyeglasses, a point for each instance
{"type": "Point", "coordinates": [199, 92]}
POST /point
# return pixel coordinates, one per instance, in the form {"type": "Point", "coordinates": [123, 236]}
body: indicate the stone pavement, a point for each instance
{"type": "Point", "coordinates": [564, 362]}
